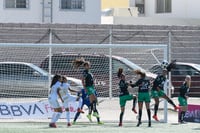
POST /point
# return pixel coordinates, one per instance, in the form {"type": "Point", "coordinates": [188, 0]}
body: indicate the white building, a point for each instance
{"type": "Point", "coordinates": [163, 12]}
{"type": "Point", "coordinates": [172, 8]}
{"type": "Point", "coordinates": [50, 11]}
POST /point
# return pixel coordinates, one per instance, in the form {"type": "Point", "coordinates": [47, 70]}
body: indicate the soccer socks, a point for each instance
{"type": "Point", "coordinates": [90, 109]}
{"type": "Point", "coordinates": [171, 102]}
{"type": "Point", "coordinates": [181, 117]}
{"type": "Point", "coordinates": [55, 117]}
{"type": "Point", "coordinates": [76, 116]}
{"type": "Point", "coordinates": [149, 114]}
{"type": "Point", "coordinates": [156, 109]}
{"type": "Point", "coordinates": [94, 106]}
{"type": "Point", "coordinates": [80, 102]}
{"type": "Point", "coordinates": [121, 117]}
{"type": "Point", "coordinates": [68, 116]}
{"type": "Point", "coordinates": [134, 102]}
{"type": "Point", "coordinates": [140, 115]}
{"type": "Point", "coordinates": [98, 119]}
{"type": "Point", "coordinates": [139, 118]}
{"type": "Point", "coordinates": [58, 116]}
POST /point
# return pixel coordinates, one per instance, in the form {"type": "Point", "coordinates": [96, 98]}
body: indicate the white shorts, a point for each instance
{"type": "Point", "coordinates": [67, 99]}
{"type": "Point", "coordinates": [54, 103]}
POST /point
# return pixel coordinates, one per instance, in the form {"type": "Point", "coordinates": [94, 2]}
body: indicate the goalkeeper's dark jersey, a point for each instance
{"type": "Point", "coordinates": [159, 82]}
{"type": "Point", "coordinates": [143, 85]}
{"type": "Point", "coordinates": [123, 86]}
{"type": "Point", "coordinates": [184, 90]}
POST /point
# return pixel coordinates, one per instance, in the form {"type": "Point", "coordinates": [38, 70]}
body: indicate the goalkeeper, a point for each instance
{"type": "Point", "coordinates": [86, 102]}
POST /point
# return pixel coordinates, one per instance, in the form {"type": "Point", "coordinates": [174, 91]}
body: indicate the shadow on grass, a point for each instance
{"type": "Point", "coordinates": [175, 124]}
{"type": "Point", "coordinates": [196, 128]}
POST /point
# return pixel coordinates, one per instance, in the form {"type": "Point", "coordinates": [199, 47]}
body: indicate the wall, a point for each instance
{"type": "Point", "coordinates": [114, 4]}
{"type": "Point", "coordinates": [31, 15]}
{"type": "Point", "coordinates": [91, 14]}
{"type": "Point", "coordinates": [180, 9]}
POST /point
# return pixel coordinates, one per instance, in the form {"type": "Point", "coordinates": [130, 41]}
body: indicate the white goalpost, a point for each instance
{"type": "Point", "coordinates": [36, 59]}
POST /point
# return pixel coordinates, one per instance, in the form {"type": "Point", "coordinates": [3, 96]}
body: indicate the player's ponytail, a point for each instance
{"type": "Point", "coordinates": [138, 72]}
{"type": "Point", "coordinates": [188, 80]}
{"type": "Point", "coordinates": [120, 72]}
{"type": "Point", "coordinates": [78, 62]}
{"type": "Point", "coordinates": [55, 79]}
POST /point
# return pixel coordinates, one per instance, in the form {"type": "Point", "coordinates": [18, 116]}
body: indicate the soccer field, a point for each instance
{"type": "Point", "coordinates": [34, 127]}
{"type": "Point", "coordinates": [110, 117]}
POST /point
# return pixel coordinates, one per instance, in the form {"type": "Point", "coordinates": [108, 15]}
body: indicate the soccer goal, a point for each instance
{"type": "Point", "coordinates": [26, 71]}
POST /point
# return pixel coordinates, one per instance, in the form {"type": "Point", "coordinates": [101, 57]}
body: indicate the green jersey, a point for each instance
{"type": "Point", "coordinates": [159, 82]}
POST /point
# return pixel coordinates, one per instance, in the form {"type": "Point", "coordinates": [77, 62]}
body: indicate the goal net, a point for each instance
{"type": "Point", "coordinates": [26, 69]}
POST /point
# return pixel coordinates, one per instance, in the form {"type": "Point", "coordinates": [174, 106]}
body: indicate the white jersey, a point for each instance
{"type": "Point", "coordinates": [64, 92]}
{"type": "Point", "coordinates": [68, 97]}
{"type": "Point", "coordinates": [54, 90]}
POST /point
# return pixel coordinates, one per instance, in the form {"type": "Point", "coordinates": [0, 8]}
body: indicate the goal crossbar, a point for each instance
{"type": "Point", "coordinates": [47, 45]}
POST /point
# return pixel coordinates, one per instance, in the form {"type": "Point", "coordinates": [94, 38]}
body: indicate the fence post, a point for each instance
{"type": "Point", "coordinates": [165, 90]}
{"type": "Point", "coordinates": [50, 56]}
{"type": "Point", "coordinates": [110, 64]}
{"type": "Point", "coordinates": [169, 58]}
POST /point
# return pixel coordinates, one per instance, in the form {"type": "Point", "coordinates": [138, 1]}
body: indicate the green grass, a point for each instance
{"type": "Point", "coordinates": [34, 127]}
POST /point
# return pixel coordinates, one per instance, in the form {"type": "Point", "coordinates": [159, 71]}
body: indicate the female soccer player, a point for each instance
{"type": "Point", "coordinates": [143, 95]}
{"type": "Point", "coordinates": [53, 99]}
{"type": "Point", "coordinates": [67, 97]}
{"type": "Point", "coordinates": [124, 95]}
{"type": "Point", "coordinates": [86, 102]}
{"type": "Point", "coordinates": [183, 96]}
{"type": "Point", "coordinates": [158, 91]}
{"type": "Point", "coordinates": [88, 83]}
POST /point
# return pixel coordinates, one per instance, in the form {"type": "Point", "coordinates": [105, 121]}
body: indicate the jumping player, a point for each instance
{"type": "Point", "coordinates": [124, 95]}
{"type": "Point", "coordinates": [143, 95]}
{"type": "Point", "coordinates": [86, 102]}
{"type": "Point", "coordinates": [183, 96]}
{"type": "Point", "coordinates": [53, 99]}
{"type": "Point", "coordinates": [88, 83]}
{"type": "Point", "coordinates": [67, 97]}
{"type": "Point", "coordinates": [158, 91]}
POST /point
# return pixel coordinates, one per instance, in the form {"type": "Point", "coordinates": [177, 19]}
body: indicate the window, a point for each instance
{"type": "Point", "coordinates": [72, 4]}
{"type": "Point", "coordinates": [163, 6]}
{"type": "Point", "coordinates": [184, 70]}
{"type": "Point", "coordinates": [26, 70]}
{"type": "Point", "coordinates": [140, 8]}
{"type": "Point", "coordinates": [16, 3]}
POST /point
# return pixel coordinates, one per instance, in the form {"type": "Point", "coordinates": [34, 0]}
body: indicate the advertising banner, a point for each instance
{"type": "Point", "coordinates": [193, 113]}
{"type": "Point", "coordinates": [32, 110]}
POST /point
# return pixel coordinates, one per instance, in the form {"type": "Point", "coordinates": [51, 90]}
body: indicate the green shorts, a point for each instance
{"type": "Point", "coordinates": [90, 90]}
{"type": "Point", "coordinates": [182, 101]}
{"type": "Point", "coordinates": [144, 97]}
{"type": "Point", "coordinates": [156, 94]}
{"type": "Point", "coordinates": [123, 99]}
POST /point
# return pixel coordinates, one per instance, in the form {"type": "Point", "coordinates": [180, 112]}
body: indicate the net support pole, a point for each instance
{"type": "Point", "coordinates": [50, 57]}
{"type": "Point", "coordinates": [110, 64]}
{"type": "Point", "coordinates": [165, 90]}
{"type": "Point", "coordinates": [169, 59]}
